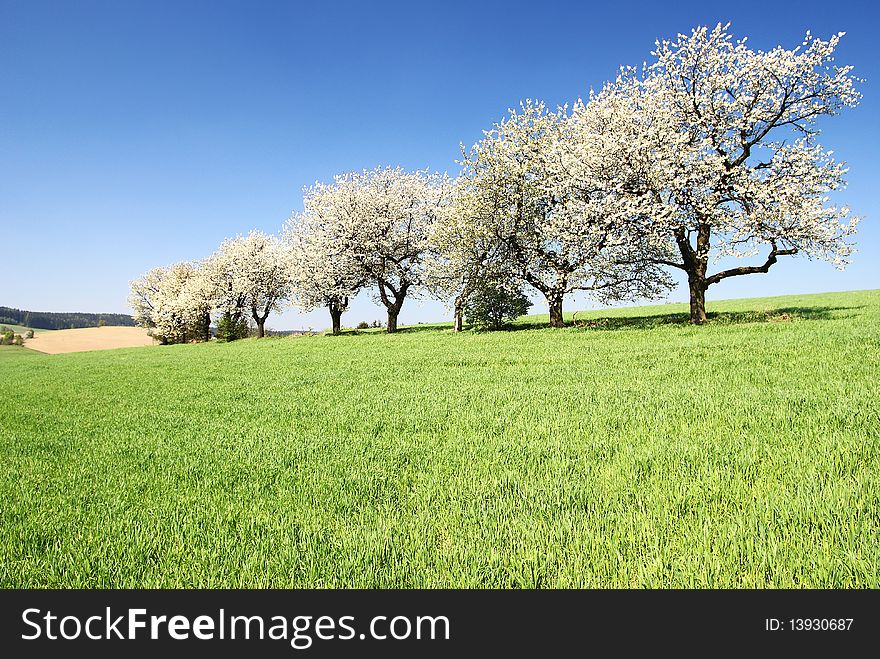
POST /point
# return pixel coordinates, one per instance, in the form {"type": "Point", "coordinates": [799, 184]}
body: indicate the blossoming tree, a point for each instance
{"type": "Point", "coordinates": [250, 275]}
{"type": "Point", "coordinates": [174, 303]}
{"type": "Point", "coordinates": [325, 269]}
{"type": "Point", "coordinates": [381, 218]}
{"type": "Point", "coordinates": [716, 144]}
{"type": "Point", "coordinates": [562, 232]}
{"type": "Point", "coordinates": [464, 250]}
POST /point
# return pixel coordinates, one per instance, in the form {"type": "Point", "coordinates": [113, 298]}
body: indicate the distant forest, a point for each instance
{"type": "Point", "coordinates": [54, 321]}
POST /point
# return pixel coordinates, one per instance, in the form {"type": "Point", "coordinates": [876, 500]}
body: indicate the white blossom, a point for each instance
{"type": "Point", "coordinates": [249, 276]}
{"type": "Point", "coordinates": [373, 227]}
{"type": "Point", "coordinates": [174, 303]}
{"type": "Point", "coordinates": [559, 223]}
{"type": "Point", "coordinates": [714, 143]}
{"type": "Point", "coordinates": [325, 268]}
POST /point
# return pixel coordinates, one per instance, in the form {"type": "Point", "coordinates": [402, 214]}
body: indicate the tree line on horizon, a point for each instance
{"type": "Point", "coordinates": [708, 152]}
{"type": "Point", "coordinates": [50, 320]}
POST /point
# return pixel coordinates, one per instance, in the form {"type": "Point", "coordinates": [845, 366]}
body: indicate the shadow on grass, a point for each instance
{"type": "Point", "coordinates": [430, 327]}
{"type": "Point", "coordinates": [778, 315]}
{"type": "Point", "coordinates": [380, 331]}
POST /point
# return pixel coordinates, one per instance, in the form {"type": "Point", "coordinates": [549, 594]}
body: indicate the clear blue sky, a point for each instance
{"type": "Point", "coordinates": [136, 134]}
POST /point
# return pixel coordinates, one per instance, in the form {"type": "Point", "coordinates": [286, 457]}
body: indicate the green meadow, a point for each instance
{"type": "Point", "coordinates": [627, 450]}
{"type": "Point", "coordinates": [10, 353]}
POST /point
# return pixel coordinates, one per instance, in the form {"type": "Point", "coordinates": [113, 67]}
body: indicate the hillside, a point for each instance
{"type": "Point", "coordinates": [633, 450]}
{"type": "Point", "coordinates": [89, 338]}
{"type": "Point", "coordinates": [56, 321]}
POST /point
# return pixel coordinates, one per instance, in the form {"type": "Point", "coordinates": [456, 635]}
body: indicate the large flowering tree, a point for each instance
{"type": "Point", "coordinates": [173, 303]}
{"type": "Point", "coordinates": [396, 212]}
{"type": "Point", "coordinates": [562, 231]}
{"type": "Point", "coordinates": [464, 250]}
{"type": "Point", "coordinates": [250, 276]}
{"type": "Point", "coordinates": [715, 143]}
{"type": "Point", "coordinates": [325, 268]}
{"type": "Point", "coordinates": [144, 296]}
{"type": "Point", "coordinates": [378, 222]}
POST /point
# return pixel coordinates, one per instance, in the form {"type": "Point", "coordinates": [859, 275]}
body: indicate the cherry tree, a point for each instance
{"type": "Point", "coordinates": [464, 250]}
{"type": "Point", "coordinates": [325, 269]}
{"type": "Point", "coordinates": [144, 296]}
{"type": "Point", "coordinates": [397, 210]}
{"type": "Point", "coordinates": [250, 275]}
{"type": "Point", "coordinates": [716, 143]}
{"type": "Point", "coordinates": [382, 218]}
{"type": "Point", "coordinates": [174, 303]}
{"type": "Point", "coordinates": [563, 231]}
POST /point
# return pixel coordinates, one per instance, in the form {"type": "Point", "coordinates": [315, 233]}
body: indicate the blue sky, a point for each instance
{"type": "Point", "coordinates": [136, 134]}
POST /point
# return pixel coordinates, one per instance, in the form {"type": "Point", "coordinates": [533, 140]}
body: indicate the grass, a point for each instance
{"type": "Point", "coordinates": [13, 353]}
{"type": "Point", "coordinates": [21, 329]}
{"type": "Point", "coordinates": [631, 450]}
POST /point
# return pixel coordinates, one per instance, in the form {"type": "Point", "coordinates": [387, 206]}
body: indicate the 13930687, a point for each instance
{"type": "Point", "coordinates": [820, 624]}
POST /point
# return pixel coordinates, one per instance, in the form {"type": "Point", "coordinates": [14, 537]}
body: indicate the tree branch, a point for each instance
{"type": "Point", "coordinates": [752, 269]}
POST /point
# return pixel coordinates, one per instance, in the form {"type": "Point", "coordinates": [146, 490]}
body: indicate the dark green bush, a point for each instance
{"type": "Point", "coordinates": [231, 327]}
{"type": "Point", "coordinates": [491, 305]}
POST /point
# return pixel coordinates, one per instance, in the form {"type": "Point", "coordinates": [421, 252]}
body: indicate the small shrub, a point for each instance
{"type": "Point", "coordinates": [102, 322]}
{"type": "Point", "coordinates": [29, 334]}
{"type": "Point", "coordinates": [230, 328]}
{"type": "Point", "coordinates": [363, 325]}
{"type": "Point", "coordinates": [18, 340]}
{"type": "Point", "coordinates": [6, 336]}
{"type": "Point", "coordinates": [492, 305]}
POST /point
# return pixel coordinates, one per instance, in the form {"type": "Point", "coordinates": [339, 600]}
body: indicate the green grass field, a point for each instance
{"type": "Point", "coordinates": [632, 450]}
{"type": "Point", "coordinates": [13, 353]}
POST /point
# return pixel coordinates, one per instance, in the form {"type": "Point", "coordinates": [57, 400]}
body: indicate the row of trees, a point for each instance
{"type": "Point", "coordinates": [61, 320]}
{"type": "Point", "coordinates": [247, 278]}
{"type": "Point", "coordinates": [708, 152]}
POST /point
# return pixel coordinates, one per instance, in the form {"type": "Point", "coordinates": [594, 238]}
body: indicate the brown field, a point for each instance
{"type": "Point", "coordinates": [89, 338]}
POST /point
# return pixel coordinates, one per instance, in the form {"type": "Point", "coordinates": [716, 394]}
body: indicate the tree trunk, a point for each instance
{"type": "Point", "coordinates": [336, 317]}
{"type": "Point", "coordinates": [555, 303]}
{"type": "Point", "coordinates": [458, 318]}
{"type": "Point", "coordinates": [393, 312]}
{"type": "Point", "coordinates": [260, 320]}
{"type": "Point", "coordinates": [394, 306]}
{"type": "Point", "coordinates": [695, 262]}
{"type": "Point", "coordinates": [698, 300]}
